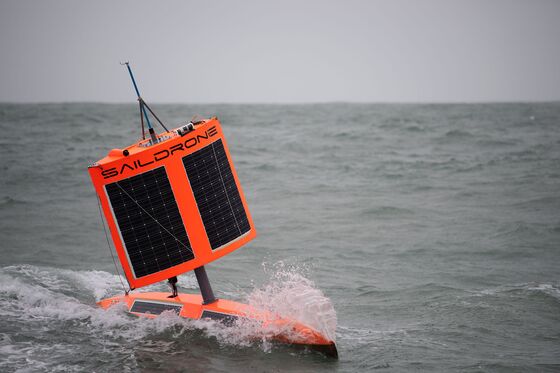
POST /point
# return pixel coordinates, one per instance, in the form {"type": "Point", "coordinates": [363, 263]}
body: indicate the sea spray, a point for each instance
{"type": "Point", "coordinates": [285, 294]}
{"type": "Point", "coordinates": [289, 294]}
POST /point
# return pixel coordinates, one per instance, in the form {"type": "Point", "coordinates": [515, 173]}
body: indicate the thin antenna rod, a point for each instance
{"type": "Point", "coordinates": [138, 94]}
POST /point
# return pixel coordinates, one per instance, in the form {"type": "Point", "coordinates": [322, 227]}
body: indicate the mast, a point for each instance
{"type": "Point", "coordinates": [204, 285]}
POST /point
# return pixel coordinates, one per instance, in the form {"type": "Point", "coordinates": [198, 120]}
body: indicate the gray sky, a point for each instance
{"type": "Point", "coordinates": [281, 51]}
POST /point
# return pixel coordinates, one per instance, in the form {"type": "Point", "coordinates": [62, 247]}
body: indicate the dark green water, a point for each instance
{"type": "Point", "coordinates": [434, 230]}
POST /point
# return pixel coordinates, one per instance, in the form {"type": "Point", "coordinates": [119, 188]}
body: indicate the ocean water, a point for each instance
{"type": "Point", "coordinates": [432, 231]}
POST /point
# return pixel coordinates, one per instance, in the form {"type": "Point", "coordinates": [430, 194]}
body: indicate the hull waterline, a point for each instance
{"type": "Point", "coordinates": [152, 304]}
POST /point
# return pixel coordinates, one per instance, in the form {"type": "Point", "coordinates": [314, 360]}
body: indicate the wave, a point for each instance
{"type": "Point", "coordinates": [387, 211]}
{"type": "Point", "coordinates": [9, 201]}
{"type": "Point", "coordinates": [60, 305]}
{"type": "Point", "coordinates": [546, 289]}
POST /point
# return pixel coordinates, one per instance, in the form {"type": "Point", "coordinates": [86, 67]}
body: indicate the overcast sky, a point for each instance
{"type": "Point", "coordinates": [281, 51]}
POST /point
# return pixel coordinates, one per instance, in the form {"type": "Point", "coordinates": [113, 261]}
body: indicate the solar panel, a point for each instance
{"type": "Point", "coordinates": [216, 194]}
{"type": "Point", "coordinates": [149, 222]}
{"type": "Point", "coordinates": [224, 318]}
{"type": "Point", "coordinates": [154, 308]}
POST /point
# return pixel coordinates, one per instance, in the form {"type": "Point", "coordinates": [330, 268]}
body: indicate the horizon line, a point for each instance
{"type": "Point", "coordinates": [291, 103]}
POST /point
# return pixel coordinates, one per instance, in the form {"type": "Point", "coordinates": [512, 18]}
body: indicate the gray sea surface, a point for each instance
{"type": "Point", "coordinates": [434, 231]}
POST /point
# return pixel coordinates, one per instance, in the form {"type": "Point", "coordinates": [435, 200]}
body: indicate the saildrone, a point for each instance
{"type": "Point", "coordinates": [173, 203]}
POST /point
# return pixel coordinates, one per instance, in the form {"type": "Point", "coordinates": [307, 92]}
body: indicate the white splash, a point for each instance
{"type": "Point", "coordinates": [289, 294]}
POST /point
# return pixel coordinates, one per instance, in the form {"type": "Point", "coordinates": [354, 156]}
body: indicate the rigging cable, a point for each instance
{"type": "Point", "coordinates": [142, 120]}
{"type": "Point", "coordinates": [109, 246]}
{"type": "Point", "coordinates": [142, 102]}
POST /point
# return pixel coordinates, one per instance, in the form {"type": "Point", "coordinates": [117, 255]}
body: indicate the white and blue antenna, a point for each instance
{"type": "Point", "coordinates": [143, 107]}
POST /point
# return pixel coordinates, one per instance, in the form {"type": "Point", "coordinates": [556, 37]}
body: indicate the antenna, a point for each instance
{"type": "Point", "coordinates": [142, 107]}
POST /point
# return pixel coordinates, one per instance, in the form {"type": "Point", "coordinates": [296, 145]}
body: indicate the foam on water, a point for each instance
{"type": "Point", "coordinates": [55, 305]}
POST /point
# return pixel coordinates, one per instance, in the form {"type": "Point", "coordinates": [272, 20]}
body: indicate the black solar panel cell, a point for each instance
{"type": "Point", "coordinates": [153, 308]}
{"type": "Point", "coordinates": [149, 222]}
{"type": "Point", "coordinates": [216, 194]}
{"type": "Point", "coordinates": [224, 318]}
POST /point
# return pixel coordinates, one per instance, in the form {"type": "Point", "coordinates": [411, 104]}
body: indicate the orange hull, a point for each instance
{"type": "Point", "coordinates": [151, 304]}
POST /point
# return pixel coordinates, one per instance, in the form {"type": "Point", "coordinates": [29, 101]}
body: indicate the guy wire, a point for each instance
{"type": "Point", "coordinates": [109, 245]}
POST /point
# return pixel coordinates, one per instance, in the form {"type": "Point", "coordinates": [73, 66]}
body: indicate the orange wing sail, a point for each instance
{"type": "Point", "coordinates": [172, 206]}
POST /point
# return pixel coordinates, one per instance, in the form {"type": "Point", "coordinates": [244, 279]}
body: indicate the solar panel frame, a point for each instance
{"type": "Point", "coordinates": [152, 224]}
{"type": "Point", "coordinates": [216, 194]}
